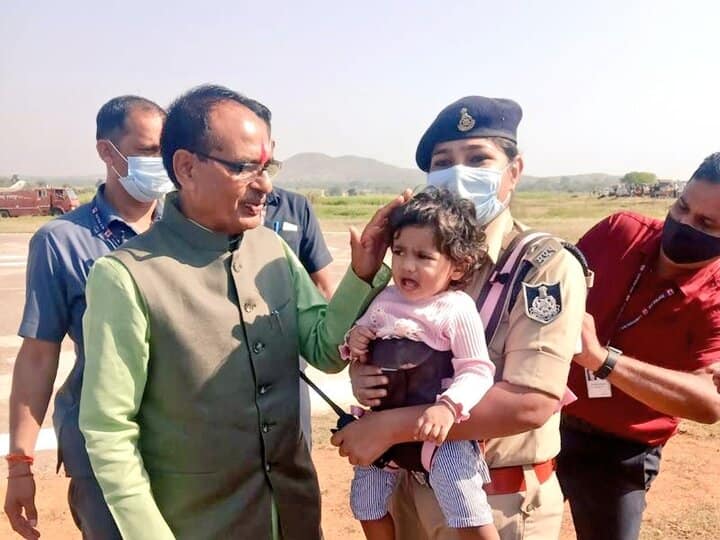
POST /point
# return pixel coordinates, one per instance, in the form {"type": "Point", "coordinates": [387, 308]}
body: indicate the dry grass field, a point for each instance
{"type": "Point", "coordinates": [568, 215]}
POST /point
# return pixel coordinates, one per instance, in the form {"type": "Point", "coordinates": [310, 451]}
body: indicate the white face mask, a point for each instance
{"type": "Point", "coordinates": [476, 184]}
{"type": "Point", "coordinates": [146, 180]}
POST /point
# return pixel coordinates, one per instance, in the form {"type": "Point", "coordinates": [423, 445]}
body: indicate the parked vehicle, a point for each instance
{"type": "Point", "coordinates": [41, 201]}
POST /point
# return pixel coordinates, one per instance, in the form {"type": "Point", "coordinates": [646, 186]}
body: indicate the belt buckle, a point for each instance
{"type": "Point", "coordinates": [420, 477]}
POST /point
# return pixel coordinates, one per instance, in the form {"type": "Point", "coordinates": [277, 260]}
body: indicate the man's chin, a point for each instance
{"type": "Point", "coordinates": [246, 222]}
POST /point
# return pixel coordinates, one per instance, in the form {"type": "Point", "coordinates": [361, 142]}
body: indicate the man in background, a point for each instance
{"type": "Point", "coordinates": [291, 216]}
{"type": "Point", "coordinates": [650, 338]}
{"type": "Point", "coordinates": [59, 260]}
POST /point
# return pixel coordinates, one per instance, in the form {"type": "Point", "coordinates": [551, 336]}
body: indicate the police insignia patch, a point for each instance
{"type": "Point", "coordinates": [543, 302]}
{"type": "Point", "coordinates": [466, 122]}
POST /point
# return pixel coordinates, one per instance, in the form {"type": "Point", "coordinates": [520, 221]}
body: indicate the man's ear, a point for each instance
{"type": "Point", "coordinates": [183, 164]}
{"type": "Point", "coordinates": [105, 151]}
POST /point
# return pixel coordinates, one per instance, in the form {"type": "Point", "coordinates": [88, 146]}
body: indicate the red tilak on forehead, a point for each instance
{"type": "Point", "coordinates": [263, 154]}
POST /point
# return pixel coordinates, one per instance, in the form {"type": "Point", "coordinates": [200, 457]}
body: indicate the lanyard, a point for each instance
{"type": "Point", "coordinates": [102, 229]}
{"type": "Point", "coordinates": [667, 293]}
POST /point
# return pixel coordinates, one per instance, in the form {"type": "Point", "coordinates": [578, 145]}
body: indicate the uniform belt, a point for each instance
{"type": "Point", "coordinates": [506, 480]}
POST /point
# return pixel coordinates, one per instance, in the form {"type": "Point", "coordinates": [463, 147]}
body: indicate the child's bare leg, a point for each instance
{"type": "Point", "coordinates": [379, 529]}
{"type": "Point", "coordinates": [484, 532]}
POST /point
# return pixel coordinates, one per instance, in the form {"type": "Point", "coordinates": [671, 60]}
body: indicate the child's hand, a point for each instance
{"type": "Point", "coordinates": [435, 423]}
{"type": "Point", "coordinates": [358, 341]}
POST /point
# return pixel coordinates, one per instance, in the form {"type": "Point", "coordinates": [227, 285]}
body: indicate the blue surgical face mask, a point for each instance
{"type": "Point", "coordinates": [146, 180]}
{"type": "Point", "coordinates": [476, 184]}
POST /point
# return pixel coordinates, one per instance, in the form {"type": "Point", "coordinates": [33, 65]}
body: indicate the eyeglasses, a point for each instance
{"type": "Point", "coordinates": [245, 169]}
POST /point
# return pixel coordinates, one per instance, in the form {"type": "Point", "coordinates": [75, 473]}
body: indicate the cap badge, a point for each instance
{"type": "Point", "coordinates": [466, 122]}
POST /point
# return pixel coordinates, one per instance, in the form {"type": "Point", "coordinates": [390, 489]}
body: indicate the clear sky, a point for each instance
{"type": "Point", "coordinates": [608, 87]}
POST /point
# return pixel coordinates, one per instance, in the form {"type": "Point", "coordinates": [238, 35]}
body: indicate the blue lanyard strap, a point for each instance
{"type": "Point", "coordinates": [102, 230]}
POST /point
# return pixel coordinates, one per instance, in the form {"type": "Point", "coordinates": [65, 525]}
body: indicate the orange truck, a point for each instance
{"type": "Point", "coordinates": [42, 201]}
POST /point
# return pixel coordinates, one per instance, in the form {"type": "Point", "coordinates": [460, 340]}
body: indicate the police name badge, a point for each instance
{"type": "Point", "coordinates": [543, 302]}
{"type": "Point", "coordinates": [597, 388]}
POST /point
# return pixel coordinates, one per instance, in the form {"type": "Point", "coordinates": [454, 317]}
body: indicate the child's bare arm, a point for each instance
{"type": "Point", "coordinates": [435, 423]}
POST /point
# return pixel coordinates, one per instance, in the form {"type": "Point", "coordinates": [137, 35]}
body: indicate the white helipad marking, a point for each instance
{"type": "Point", "coordinates": [10, 341]}
{"type": "Point", "coordinates": [46, 438]}
{"type": "Point", "coordinates": [13, 261]}
{"type": "Point", "coordinates": [336, 386]}
{"type": "Point", "coordinates": [46, 441]}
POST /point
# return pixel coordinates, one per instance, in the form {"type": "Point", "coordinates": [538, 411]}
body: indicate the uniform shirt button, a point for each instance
{"type": "Point", "coordinates": [258, 347]}
{"type": "Point", "coordinates": [248, 307]}
{"type": "Point", "coordinates": [265, 428]}
{"type": "Point", "coordinates": [267, 467]}
{"type": "Point", "coordinates": [237, 266]}
{"type": "Point", "coordinates": [262, 390]}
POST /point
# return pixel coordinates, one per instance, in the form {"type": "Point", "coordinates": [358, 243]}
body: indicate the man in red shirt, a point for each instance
{"type": "Point", "coordinates": [652, 331]}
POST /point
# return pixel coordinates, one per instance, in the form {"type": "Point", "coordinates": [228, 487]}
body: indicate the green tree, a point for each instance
{"type": "Point", "coordinates": [636, 177]}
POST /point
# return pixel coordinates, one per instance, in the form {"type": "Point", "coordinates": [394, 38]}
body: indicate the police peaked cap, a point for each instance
{"type": "Point", "coordinates": [471, 116]}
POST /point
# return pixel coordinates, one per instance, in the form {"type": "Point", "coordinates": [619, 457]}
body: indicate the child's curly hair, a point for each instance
{"type": "Point", "coordinates": [457, 233]}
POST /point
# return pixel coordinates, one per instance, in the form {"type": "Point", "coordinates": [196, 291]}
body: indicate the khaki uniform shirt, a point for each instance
{"type": "Point", "coordinates": [530, 353]}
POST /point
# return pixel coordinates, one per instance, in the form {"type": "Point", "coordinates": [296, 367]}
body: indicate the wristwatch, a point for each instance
{"type": "Point", "coordinates": [609, 363]}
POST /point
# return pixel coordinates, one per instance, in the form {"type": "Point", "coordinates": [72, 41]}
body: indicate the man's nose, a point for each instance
{"type": "Point", "coordinates": [262, 183]}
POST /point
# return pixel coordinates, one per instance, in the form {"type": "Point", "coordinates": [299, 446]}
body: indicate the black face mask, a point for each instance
{"type": "Point", "coordinates": [683, 244]}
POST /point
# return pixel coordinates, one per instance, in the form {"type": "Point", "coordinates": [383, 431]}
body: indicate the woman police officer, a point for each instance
{"type": "Point", "coordinates": [531, 294]}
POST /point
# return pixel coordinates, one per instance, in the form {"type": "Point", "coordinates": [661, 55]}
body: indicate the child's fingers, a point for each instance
{"type": "Point", "coordinates": [358, 355]}
{"type": "Point", "coordinates": [366, 333]}
{"type": "Point", "coordinates": [421, 430]}
{"type": "Point", "coordinates": [357, 351]}
{"type": "Point", "coordinates": [418, 427]}
{"type": "Point", "coordinates": [356, 342]}
{"type": "Point", "coordinates": [362, 335]}
{"type": "Point", "coordinates": [359, 346]}
{"type": "Point", "coordinates": [442, 436]}
{"type": "Point", "coordinates": [426, 432]}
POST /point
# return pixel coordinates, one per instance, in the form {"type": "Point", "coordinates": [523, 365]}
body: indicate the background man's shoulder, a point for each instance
{"type": "Point", "coordinates": [633, 221]}
{"type": "Point", "coordinates": [291, 198]}
{"type": "Point", "coordinates": [61, 228]}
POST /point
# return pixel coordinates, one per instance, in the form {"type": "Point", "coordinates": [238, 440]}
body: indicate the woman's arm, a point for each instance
{"type": "Point", "coordinates": [506, 409]}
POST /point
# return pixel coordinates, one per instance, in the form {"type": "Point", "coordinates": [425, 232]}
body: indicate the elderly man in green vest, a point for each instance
{"type": "Point", "coordinates": [189, 403]}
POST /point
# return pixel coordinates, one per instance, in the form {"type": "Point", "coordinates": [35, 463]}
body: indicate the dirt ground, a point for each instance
{"type": "Point", "coordinates": [684, 502]}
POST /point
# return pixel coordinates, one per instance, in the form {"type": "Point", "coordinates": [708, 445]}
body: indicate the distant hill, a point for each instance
{"type": "Point", "coordinates": [320, 171]}
{"type": "Point", "coordinates": [314, 170]}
